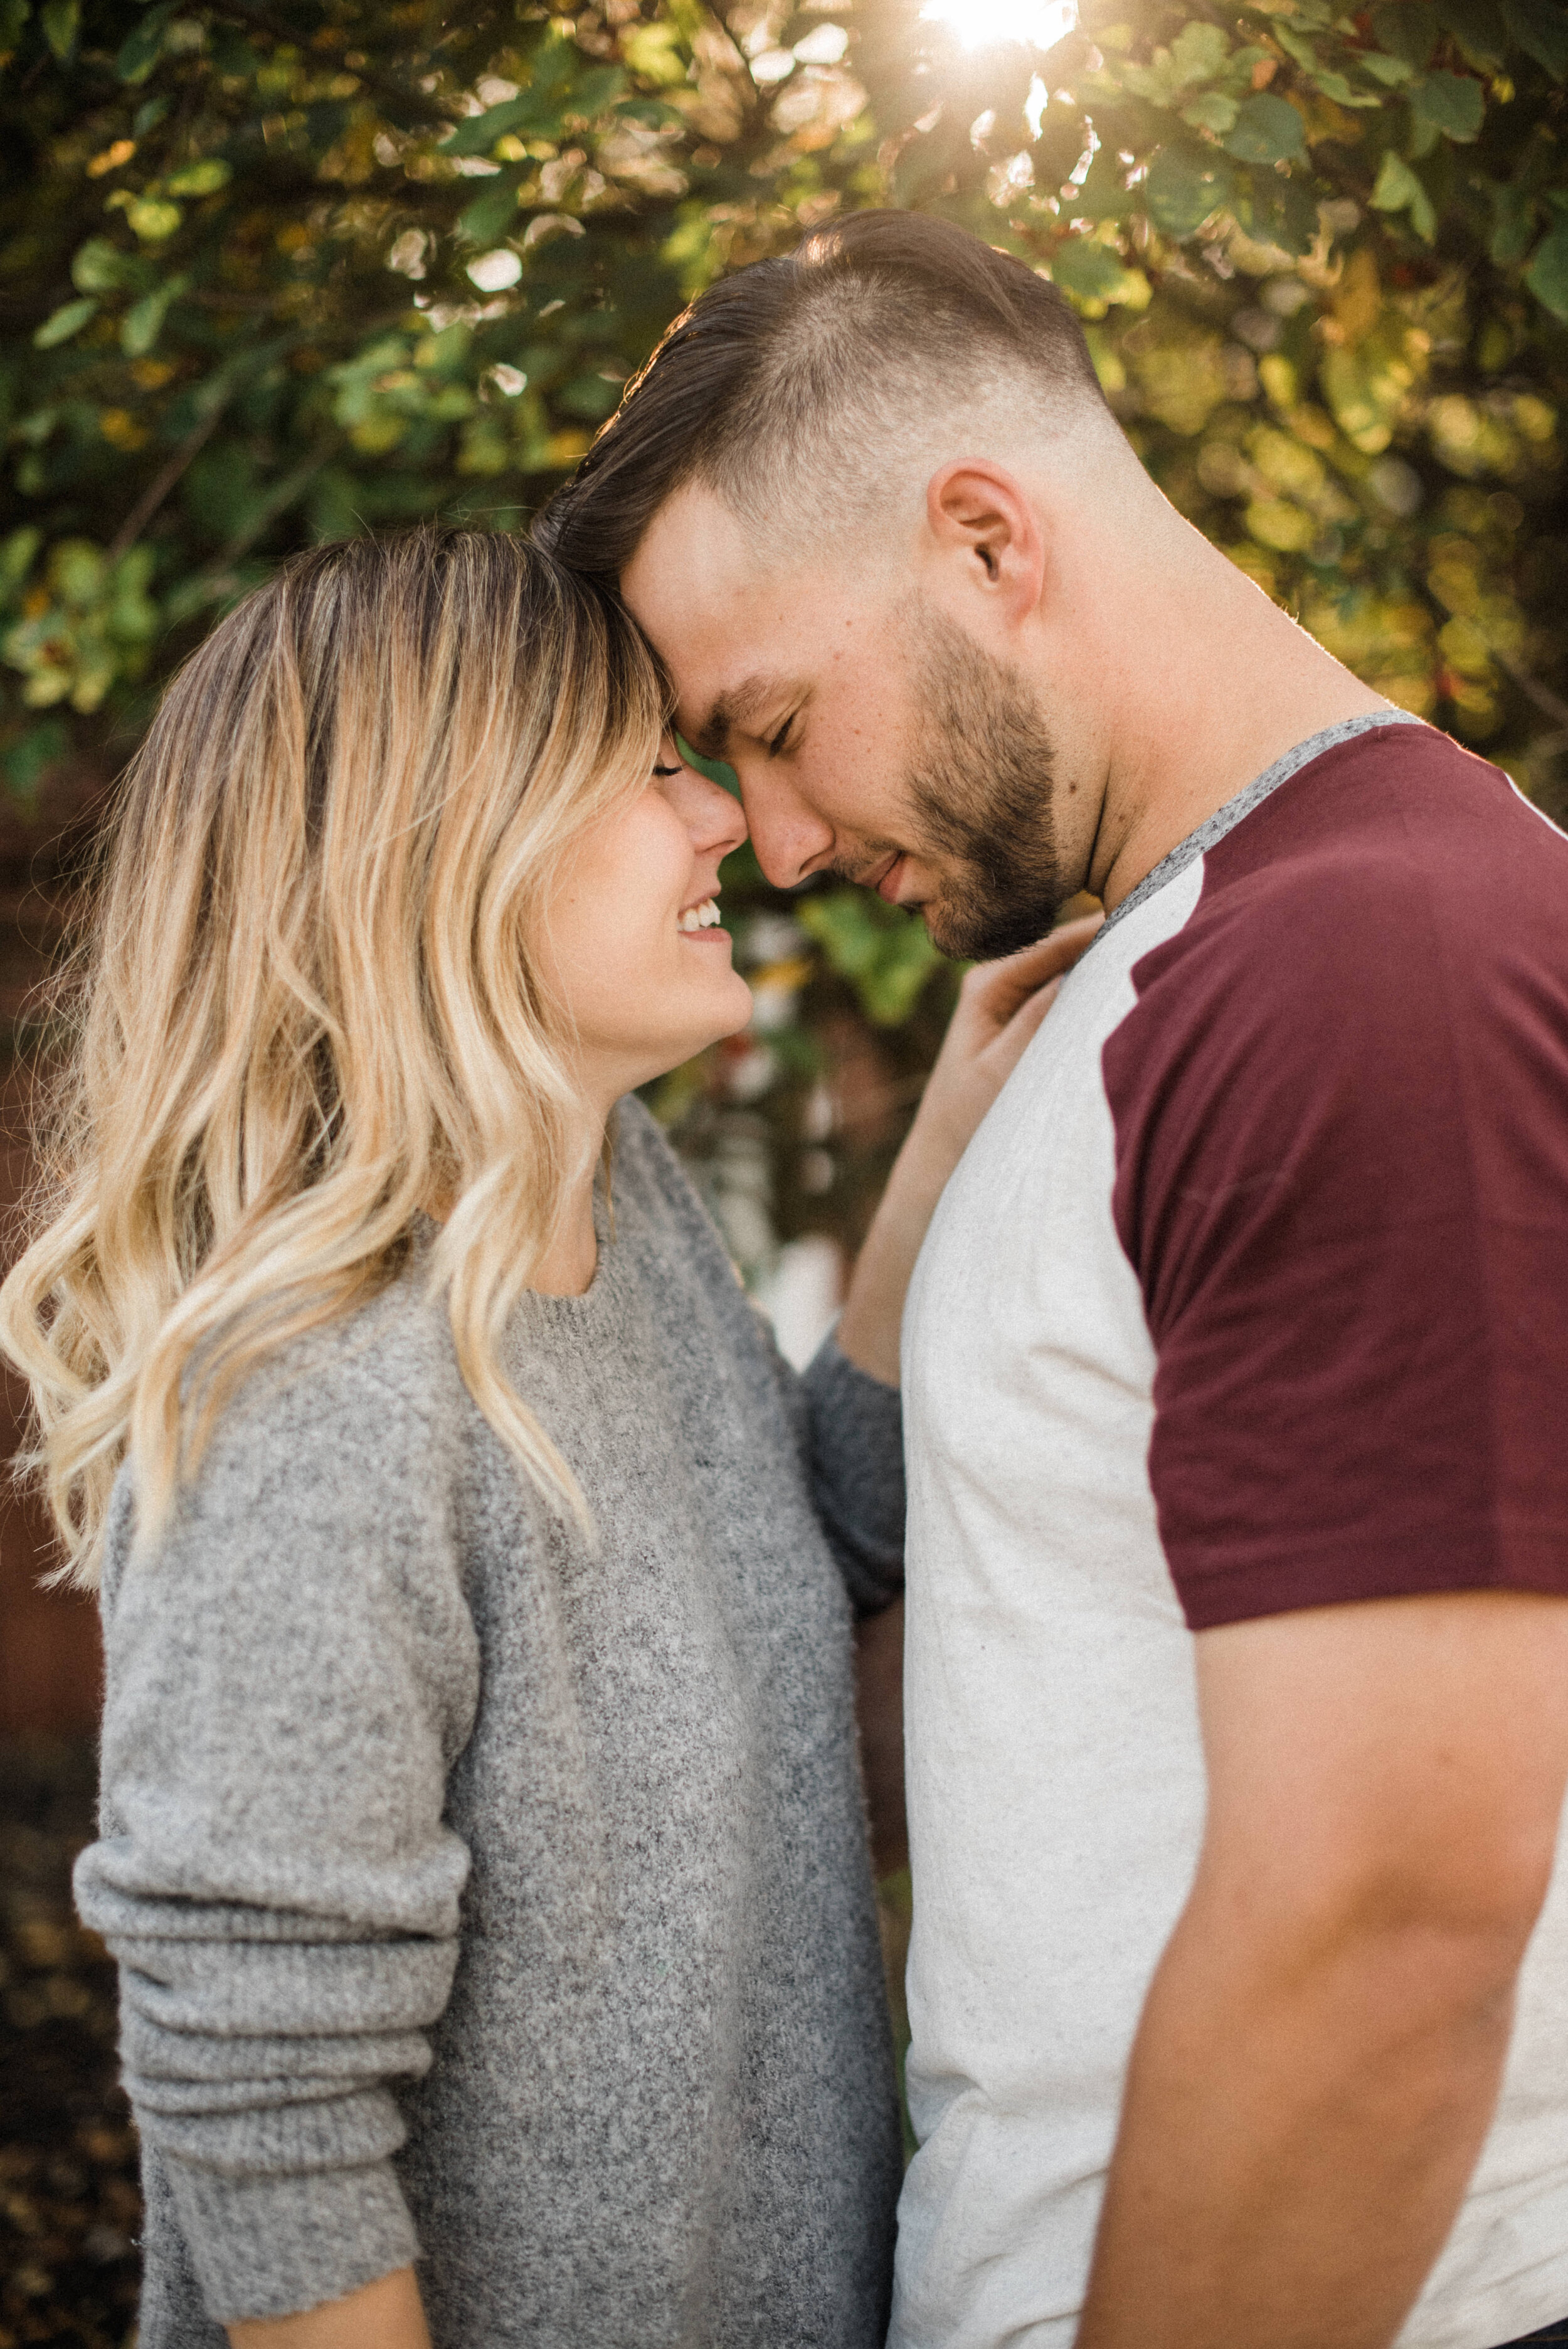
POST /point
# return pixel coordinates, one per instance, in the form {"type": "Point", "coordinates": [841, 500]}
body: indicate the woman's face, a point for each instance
{"type": "Point", "coordinates": [634, 944]}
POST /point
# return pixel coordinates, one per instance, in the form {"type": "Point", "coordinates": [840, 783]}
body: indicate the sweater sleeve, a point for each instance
{"type": "Point", "coordinates": [291, 1673]}
{"type": "Point", "coordinates": [854, 1437]}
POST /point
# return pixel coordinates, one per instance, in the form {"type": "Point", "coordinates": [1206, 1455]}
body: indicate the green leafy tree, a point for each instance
{"type": "Point", "coordinates": [274, 270]}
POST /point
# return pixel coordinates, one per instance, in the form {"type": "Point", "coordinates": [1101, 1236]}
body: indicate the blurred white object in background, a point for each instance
{"type": "Point", "coordinates": [801, 1295]}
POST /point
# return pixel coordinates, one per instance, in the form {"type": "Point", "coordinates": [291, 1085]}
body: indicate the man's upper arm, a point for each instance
{"type": "Point", "coordinates": [1342, 1122]}
{"type": "Point", "coordinates": [1397, 1763]}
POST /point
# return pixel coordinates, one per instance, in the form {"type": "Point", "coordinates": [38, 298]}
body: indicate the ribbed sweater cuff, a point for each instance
{"type": "Point", "coordinates": [857, 1446]}
{"type": "Point", "coordinates": [273, 2246]}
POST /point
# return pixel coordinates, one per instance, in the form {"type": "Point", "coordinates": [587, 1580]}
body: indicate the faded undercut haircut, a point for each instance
{"type": "Point", "coordinates": [815, 372]}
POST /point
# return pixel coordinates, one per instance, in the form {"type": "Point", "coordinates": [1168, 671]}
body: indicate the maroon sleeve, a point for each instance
{"type": "Point", "coordinates": [1341, 1107]}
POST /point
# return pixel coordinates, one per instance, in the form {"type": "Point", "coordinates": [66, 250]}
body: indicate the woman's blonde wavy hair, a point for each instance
{"type": "Point", "coordinates": [311, 1003]}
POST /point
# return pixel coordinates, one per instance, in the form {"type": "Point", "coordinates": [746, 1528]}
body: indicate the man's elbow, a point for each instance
{"type": "Point", "coordinates": [1427, 1939]}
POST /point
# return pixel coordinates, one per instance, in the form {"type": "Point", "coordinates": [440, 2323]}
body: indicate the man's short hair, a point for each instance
{"type": "Point", "coordinates": [794, 384]}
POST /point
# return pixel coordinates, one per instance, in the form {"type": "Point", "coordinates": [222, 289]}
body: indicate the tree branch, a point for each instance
{"type": "Point", "coordinates": [1551, 705]}
{"type": "Point", "coordinates": [162, 482]}
{"type": "Point", "coordinates": [212, 578]}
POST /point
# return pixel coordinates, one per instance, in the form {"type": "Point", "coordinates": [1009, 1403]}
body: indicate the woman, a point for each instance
{"type": "Point", "coordinates": [481, 1839]}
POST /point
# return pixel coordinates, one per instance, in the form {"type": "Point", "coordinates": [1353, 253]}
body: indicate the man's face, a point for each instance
{"type": "Point", "coordinates": [871, 736]}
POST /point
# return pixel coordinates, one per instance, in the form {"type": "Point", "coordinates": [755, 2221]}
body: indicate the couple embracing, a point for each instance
{"type": "Point", "coordinates": [481, 1835]}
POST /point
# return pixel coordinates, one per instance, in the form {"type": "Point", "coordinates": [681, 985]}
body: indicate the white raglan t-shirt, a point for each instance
{"type": "Point", "coordinates": [1250, 1294]}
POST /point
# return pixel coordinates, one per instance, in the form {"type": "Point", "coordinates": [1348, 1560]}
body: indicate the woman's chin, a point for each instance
{"type": "Point", "coordinates": [724, 1021]}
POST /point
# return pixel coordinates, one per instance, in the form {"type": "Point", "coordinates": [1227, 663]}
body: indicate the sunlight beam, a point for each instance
{"type": "Point", "coordinates": [987, 24]}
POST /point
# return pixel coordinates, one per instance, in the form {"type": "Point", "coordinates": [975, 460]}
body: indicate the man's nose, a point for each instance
{"type": "Point", "coordinates": [790, 840]}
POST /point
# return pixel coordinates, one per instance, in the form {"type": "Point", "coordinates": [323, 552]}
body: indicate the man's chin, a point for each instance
{"type": "Point", "coordinates": [963, 935]}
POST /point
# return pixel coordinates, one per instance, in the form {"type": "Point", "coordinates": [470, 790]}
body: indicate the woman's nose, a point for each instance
{"type": "Point", "coordinates": [714, 818]}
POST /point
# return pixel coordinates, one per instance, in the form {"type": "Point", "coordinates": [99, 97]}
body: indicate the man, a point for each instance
{"type": "Point", "coordinates": [1237, 1671]}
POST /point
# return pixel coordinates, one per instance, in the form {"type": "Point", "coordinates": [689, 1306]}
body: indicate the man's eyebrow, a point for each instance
{"type": "Point", "coordinates": [738, 705]}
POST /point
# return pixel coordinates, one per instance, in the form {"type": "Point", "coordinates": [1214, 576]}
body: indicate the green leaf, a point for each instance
{"type": "Point", "coordinates": [1199, 53]}
{"type": "Point", "coordinates": [61, 21]}
{"type": "Point", "coordinates": [1268, 130]}
{"type": "Point", "coordinates": [153, 219]}
{"type": "Point", "coordinates": [14, 15]}
{"type": "Point", "coordinates": [542, 108]}
{"type": "Point", "coordinates": [1334, 86]}
{"type": "Point", "coordinates": [1183, 189]}
{"type": "Point", "coordinates": [1297, 45]}
{"type": "Point", "coordinates": [1284, 213]}
{"type": "Point", "coordinates": [100, 267]}
{"type": "Point", "coordinates": [654, 52]}
{"type": "Point", "coordinates": [138, 53]}
{"type": "Point", "coordinates": [1103, 195]}
{"type": "Point", "coordinates": [17, 554]}
{"type": "Point", "coordinates": [491, 215]}
{"type": "Point", "coordinates": [1091, 271]}
{"type": "Point", "coordinates": [1389, 71]}
{"type": "Point", "coordinates": [66, 321]}
{"type": "Point", "coordinates": [202, 179]}
{"type": "Point", "coordinates": [1547, 275]}
{"type": "Point", "coordinates": [1398, 189]}
{"type": "Point", "coordinates": [479, 134]}
{"type": "Point", "coordinates": [1513, 225]}
{"type": "Point", "coordinates": [76, 572]}
{"type": "Point", "coordinates": [1407, 28]}
{"type": "Point", "coordinates": [1541, 29]}
{"type": "Point", "coordinates": [884, 952]}
{"type": "Point", "coordinates": [143, 322]}
{"type": "Point", "coordinates": [1212, 111]}
{"type": "Point", "coordinates": [595, 91]}
{"type": "Point", "coordinates": [25, 762]}
{"type": "Point", "coordinates": [1454, 104]}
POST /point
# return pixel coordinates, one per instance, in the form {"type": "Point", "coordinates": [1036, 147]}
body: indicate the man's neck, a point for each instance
{"type": "Point", "coordinates": [1191, 726]}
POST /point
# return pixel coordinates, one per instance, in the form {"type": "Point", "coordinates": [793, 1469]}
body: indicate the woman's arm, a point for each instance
{"type": "Point", "coordinates": [386, 2315]}
{"type": "Point", "coordinates": [1000, 1006]}
{"type": "Point", "coordinates": [291, 1673]}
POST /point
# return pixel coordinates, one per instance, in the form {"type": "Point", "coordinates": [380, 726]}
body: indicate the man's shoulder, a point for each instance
{"type": "Point", "coordinates": [1398, 863]}
{"type": "Point", "coordinates": [1388, 823]}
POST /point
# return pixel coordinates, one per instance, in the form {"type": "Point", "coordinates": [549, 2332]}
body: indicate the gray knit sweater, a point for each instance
{"type": "Point", "coordinates": [481, 1896]}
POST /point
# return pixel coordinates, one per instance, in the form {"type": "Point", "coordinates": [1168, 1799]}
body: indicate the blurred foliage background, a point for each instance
{"type": "Point", "coordinates": [275, 270]}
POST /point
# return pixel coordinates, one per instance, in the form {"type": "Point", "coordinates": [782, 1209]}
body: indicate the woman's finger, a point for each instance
{"type": "Point", "coordinates": [1010, 983]}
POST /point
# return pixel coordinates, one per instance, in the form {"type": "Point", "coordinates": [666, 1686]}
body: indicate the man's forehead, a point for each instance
{"type": "Point", "coordinates": [693, 549]}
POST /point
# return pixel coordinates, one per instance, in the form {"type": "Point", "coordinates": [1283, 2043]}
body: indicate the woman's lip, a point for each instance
{"type": "Point", "coordinates": [887, 883]}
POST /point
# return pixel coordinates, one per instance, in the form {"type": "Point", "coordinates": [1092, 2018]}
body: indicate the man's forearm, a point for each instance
{"type": "Point", "coordinates": [873, 1310]}
{"type": "Point", "coordinates": [1296, 2136]}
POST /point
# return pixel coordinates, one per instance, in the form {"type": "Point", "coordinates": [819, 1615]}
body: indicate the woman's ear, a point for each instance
{"type": "Point", "coordinates": [980, 515]}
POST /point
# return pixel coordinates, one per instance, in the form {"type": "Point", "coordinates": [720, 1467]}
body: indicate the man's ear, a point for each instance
{"type": "Point", "coordinates": [981, 513]}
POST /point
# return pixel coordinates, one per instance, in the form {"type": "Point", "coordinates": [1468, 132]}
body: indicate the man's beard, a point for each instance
{"type": "Point", "coordinates": [981, 792]}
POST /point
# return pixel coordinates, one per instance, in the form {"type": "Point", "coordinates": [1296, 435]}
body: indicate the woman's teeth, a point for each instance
{"type": "Point", "coordinates": [704, 916]}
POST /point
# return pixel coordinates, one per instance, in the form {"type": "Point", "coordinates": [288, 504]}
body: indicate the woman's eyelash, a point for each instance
{"type": "Point", "coordinates": [776, 744]}
{"type": "Point", "coordinates": [666, 771]}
